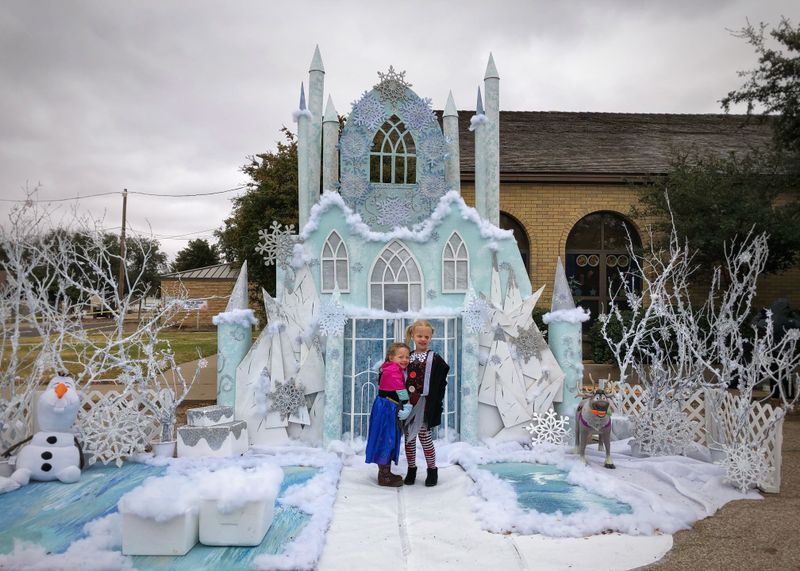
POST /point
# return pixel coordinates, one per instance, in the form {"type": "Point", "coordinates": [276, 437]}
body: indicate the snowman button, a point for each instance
{"type": "Point", "coordinates": [52, 439]}
{"type": "Point", "coordinates": [46, 455]}
{"type": "Point", "coordinates": [46, 467]}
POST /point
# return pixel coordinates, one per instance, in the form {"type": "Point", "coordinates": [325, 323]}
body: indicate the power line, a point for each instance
{"type": "Point", "coordinates": [188, 195]}
{"type": "Point", "coordinates": [141, 193]}
{"type": "Point", "coordinates": [60, 199]}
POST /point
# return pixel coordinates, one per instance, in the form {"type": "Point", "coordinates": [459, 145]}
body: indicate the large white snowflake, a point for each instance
{"type": "Point", "coordinates": [276, 244]}
{"type": "Point", "coordinates": [332, 318]}
{"type": "Point", "coordinates": [475, 316]}
{"type": "Point", "coordinates": [434, 147]}
{"type": "Point", "coordinates": [393, 211]}
{"type": "Point", "coordinates": [353, 187]}
{"type": "Point", "coordinates": [663, 431]}
{"type": "Point", "coordinates": [287, 398]}
{"type": "Point", "coordinates": [417, 113]}
{"type": "Point", "coordinates": [549, 428]}
{"type": "Point", "coordinates": [392, 85]}
{"type": "Point", "coordinates": [432, 186]}
{"type": "Point", "coordinates": [745, 466]}
{"type": "Point", "coordinates": [368, 112]}
{"type": "Point", "coordinates": [113, 429]}
{"type": "Point", "coordinates": [353, 145]}
{"type": "Point", "coordinates": [530, 343]}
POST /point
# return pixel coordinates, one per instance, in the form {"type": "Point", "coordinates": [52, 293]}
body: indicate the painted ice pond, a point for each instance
{"type": "Point", "coordinates": [544, 488]}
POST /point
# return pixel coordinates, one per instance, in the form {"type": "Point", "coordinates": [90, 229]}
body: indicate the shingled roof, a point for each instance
{"type": "Point", "coordinates": [552, 144]}
{"type": "Point", "coordinates": [215, 272]}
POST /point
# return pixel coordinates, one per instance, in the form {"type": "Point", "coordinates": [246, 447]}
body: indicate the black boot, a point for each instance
{"type": "Point", "coordinates": [386, 478]}
{"type": "Point", "coordinates": [433, 477]}
{"type": "Point", "coordinates": [411, 476]}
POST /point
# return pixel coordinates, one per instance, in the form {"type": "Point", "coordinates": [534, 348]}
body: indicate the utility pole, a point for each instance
{"type": "Point", "coordinates": [121, 282]}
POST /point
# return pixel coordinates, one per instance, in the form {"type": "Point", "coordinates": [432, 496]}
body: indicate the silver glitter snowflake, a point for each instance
{"type": "Point", "coordinates": [745, 466]}
{"type": "Point", "coordinates": [431, 293]}
{"type": "Point", "coordinates": [663, 431]}
{"type": "Point", "coordinates": [475, 316]}
{"type": "Point", "coordinates": [276, 244]}
{"type": "Point", "coordinates": [357, 267]}
{"type": "Point", "coordinates": [353, 187]}
{"type": "Point", "coordinates": [353, 145]}
{"type": "Point", "coordinates": [417, 114]}
{"type": "Point", "coordinates": [393, 211]}
{"type": "Point", "coordinates": [286, 398]}
{"type": "Point", "coordinates": [530, 343]}
{"type": "Point", "coordinates": [392, 85]}
{"type": "Point", "coordinates": [332, 318]}
{"type": "Point", "coordinates": [549, 428]}
{"type": "Point", "coordinates": [368, 112]}
{"type": "Point", "coordinates": [432, 186]}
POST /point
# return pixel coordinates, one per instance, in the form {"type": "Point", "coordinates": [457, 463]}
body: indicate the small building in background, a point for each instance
{"type": "Point", "coordinates": [207, 291]}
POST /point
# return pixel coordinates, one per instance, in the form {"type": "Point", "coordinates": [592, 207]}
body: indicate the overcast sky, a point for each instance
{"type": "Point", "coordinates": [170, 97]}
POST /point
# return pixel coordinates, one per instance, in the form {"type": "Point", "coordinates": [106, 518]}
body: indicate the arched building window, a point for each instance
{"type": "Point", "coordinates": [334, 263]}
{"type": "Point", "coordinates": [455, 264]}
{"type": "Point", "coordinates": [508, 222]}
{"type": "Point", "coordinates": [598, 257]}
{"type": "Point", "coordinates": [392, 158]}
{"type": "Point", "coordinates": [395, 282]}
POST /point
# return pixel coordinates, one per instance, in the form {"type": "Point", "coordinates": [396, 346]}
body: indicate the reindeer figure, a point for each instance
{"type": "Point", "coordinates": [594, 417]}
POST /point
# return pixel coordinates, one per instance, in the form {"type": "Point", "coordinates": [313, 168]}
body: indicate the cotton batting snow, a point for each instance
{"type": "Point", "coordinates": [576, 315]}
{"type": "Point", "coordinates": [245, 317]}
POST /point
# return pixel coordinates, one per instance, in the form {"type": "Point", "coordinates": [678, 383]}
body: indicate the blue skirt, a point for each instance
{"type": "Point", "coordinates": [383, 441]}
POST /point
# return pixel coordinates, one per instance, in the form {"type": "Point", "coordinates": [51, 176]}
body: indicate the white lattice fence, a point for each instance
{"type": "Point", "coordinates": [16, 421]}
{"type": "Point", "coordinates": [114, 425]}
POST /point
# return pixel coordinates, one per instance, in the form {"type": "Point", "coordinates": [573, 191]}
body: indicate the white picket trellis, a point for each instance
{"type": "Point", "coordinates": [765, 422]}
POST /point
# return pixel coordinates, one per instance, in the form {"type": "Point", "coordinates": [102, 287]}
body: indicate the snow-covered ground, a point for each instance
{"type": "Point", "coordinates": [471, 520]}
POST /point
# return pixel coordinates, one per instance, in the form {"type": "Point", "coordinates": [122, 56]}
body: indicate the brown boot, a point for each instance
{"type": "Point", "coordinates": [386, 478]}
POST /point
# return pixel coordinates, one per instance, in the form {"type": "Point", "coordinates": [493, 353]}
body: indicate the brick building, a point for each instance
{"type": "Point", "coordinates": [566, 185]}
{"type": "Point", "coordinates": [207, 291]}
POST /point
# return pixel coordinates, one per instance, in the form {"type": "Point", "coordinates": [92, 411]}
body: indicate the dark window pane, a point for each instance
{"type": "Point", "coordinates": [395, 297]}
{"type": "Point", "coordinates": [585, 235]}
{"type": "Point", "coordinates": [615, 236]}
{"type": "Point", "coordinates": [583, 274]}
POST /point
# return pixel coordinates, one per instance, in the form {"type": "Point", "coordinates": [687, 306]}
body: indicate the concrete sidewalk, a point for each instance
{"type": "Point", "coordinates": [419, 528]}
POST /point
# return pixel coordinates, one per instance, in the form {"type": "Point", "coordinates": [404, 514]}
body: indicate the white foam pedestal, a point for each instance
{"type": "Point", "coordinates": [221, 441]}
{"type": "Point", "coordinates": [176, 536]}
{"type": "Point", "coordinates": [246, 526]}
{"type": "Point", "coordinates": [209, 415]}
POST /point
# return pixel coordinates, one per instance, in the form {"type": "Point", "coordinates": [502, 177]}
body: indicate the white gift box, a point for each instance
{"type": "Point", "coordinates": [176, 536]}
{"type": "Point", "coordinates": [209, 415]}
{"type": "Point", "coordinates": [221, 441]}
{"type": "Point", "coordinates": [245, 526]}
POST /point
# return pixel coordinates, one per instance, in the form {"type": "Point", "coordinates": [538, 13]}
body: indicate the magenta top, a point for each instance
{"type": "Point", "coordinates": [392, 378]}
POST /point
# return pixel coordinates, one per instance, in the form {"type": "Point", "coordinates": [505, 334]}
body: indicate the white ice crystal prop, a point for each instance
{"type": "Point", "coordinates": [663, 431]}
{"type": "Point", "coordinates": [476, 316]}
{"type": "Point", "coordinates": [393, 211]}
{"type": "Point", "coordinates": [276, 244]}
{"type": "Point", "coordinates": [260, 391]}
{"type": "Point", "coordinates": [368, 112]}
{"type": "Point", "coordinates": [549, 428]}
{"type": "Point", "coordinates": [332, 318]}
{"type": "Point", "coordinates": [392, 85]}
{"type": "Point", "coordinates": [287, 398]}
{"type": "Point", "coordinates": [745, 466]}
{"type": "Point", "coordinates": [417, 113]}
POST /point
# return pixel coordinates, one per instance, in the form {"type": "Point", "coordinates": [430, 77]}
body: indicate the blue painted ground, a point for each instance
{"type": "Point", "coordinates": [544, 488]}
{"type": "Point", "coordinates": [53, 515]}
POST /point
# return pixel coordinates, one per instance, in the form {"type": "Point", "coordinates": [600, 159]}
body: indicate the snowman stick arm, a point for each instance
{"type": "Point", "coordinates": [80, 451]}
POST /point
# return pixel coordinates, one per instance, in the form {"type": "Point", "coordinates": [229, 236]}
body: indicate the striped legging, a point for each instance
{"type": "Point", "coordinates": [426, 439]}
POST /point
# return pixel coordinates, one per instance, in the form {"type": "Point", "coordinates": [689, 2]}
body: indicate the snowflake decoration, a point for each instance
{"type": "Point", "coordinates": [276, 244]}
{"type": "Point", "coordinates": [334, 354]}
{"type": "Point", "coordinates": [505, 266]}
{"type": "Point", "coordinates": [469, 349]}
{"type": "Point", "coordinates": [434, 147]}
{"type": "Point", "coordinates": [549, 428]}
{"type": "Point", "coordinates": [663, 431]}
{"type": "Point", "coordinates": [432, 186]}
{"type": "Point", "coordinates": [353, 187]}
{"type": "Point", "coordinates": [417, 113]}
{"type": "Point", "coordinates": [529, 343]}
{"type": "Point", "coordinates": [313, 262]}
{"type": "Point", "coordinates": [495, 360]}
{"type": "Point", "coordinates": [287, 398]}
{"type": "Point", "coordinates": [114, 429]}
{"type": "Point", "coordinates": [563, 297]}
{"type": "Point", "coordinates": [745, 466]}
{"type": "Point", "coordinates": [332, 318]}
{"type": "Point", "coordinates": [392, 85]}
{"type": "Point", "coordinates": [357, 267]}
{"type": "Point", "coordinates": [393, 211]}
{"type": "Point", "coordinates": [202, 363]}
{"type": "Point", "coordinates": [368, 112]}
{"type": "Point", "coordinates": [474, 316]}
{"type": "Point", "coordinates": [431, 294]}
{"type": "Point", "coordinates": [353, 145]}
{"type": "Point", "coordinates": [435, 236]}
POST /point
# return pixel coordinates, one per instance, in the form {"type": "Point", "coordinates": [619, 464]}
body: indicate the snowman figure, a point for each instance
{"type": "Point", "coordinates": [53, 453]}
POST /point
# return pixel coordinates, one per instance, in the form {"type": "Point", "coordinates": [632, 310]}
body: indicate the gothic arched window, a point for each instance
{"type": "Point", "coordinates": [392, 158]}
{"type": "Point", "coordinates": [508, 222]}
{"type": "Point", "coordinates": [395, 282]}
{"type": "Point", "coordinates": [598, 258]}
{"type": "Point", "coordinates": [334, 263]}
{"type": "Point", "coordinates": [455, 264]}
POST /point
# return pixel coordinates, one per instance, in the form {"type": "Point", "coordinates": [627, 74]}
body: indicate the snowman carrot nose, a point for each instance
{"type": "Point", "coordinates": [61, 388]}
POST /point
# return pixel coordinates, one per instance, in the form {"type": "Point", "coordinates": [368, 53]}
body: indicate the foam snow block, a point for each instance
{"type": "Point", "coordinates": [209, 415]}
{"type": "Point", "coordinates": [221, 440]}
{"type": "Point", "coordinates": [246, 526]}
{"type": "Point", "coordinates": [141, 536]}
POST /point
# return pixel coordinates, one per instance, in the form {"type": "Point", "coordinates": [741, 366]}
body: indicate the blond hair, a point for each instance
{"type": "Point", "coordinates": [392, 349]}
{"type": "Point", "coordinates": [418, 323]}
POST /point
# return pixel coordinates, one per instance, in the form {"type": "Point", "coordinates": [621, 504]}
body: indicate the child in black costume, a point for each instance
{"type": "Point", "coordinates": [426, 382]}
